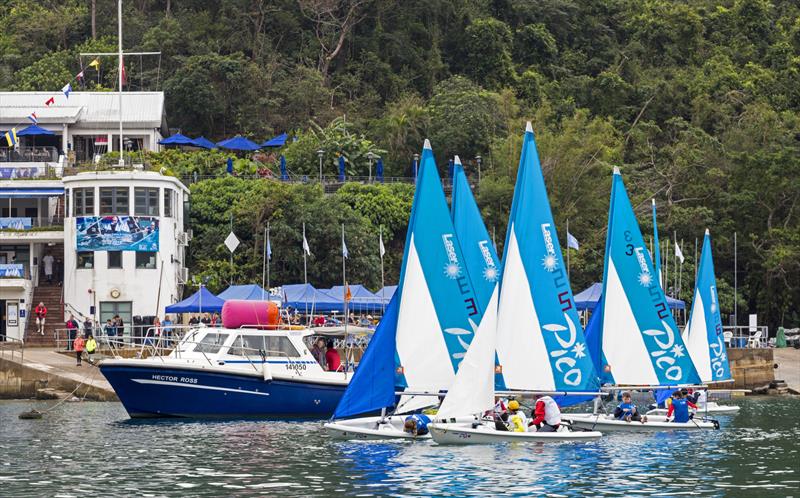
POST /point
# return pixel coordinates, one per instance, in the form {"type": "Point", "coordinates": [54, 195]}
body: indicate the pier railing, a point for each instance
{"type": "Point", "coordinates": [12, 348]}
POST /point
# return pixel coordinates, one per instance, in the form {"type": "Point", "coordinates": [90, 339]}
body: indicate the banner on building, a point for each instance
{"type": "Point", "coordinates": [12, 270]}
{"type": "Point", "coordinates": [117, 233]}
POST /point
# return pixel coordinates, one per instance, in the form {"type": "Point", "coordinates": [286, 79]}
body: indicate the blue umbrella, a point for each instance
{"type": "Point", "coordinates": [177, 139]}
{"type": "Point", "coordinates": [341, 168]}
{"type": "Point", "coordinates": [278, 141]}
{"type": "Point", "coordinates": [204, 143]}
{"type": "Point", "coordinates": [34, 130]}
{"type": "Point", "coordinates": [238, 143]}
{"type": "Point", "coordinates": [379, 170]}
{"type": "Point", "coordinates": [284, 174]}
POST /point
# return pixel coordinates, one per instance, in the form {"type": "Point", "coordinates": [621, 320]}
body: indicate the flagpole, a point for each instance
{"type": "Point", "coordinates": [119, 71]}
{"type": "Point", "coordinates": [383, 284]}
{"type": "Point", "coordinates": [567, 248]}
{"type": "Point", "coordinates": [263, 264]}
{"type": "Point", "coordinates": [735, 286]}
{"type": "Point", "coordinates": [675, 262]}
{"type": "Point", "coordinates": [305, 263]}
{"type": "Point", "coordinates": [666, 266]}
{"type": "Point", "coordinates": [269, 258]}
{"type": "Point", "coordinates": [344, 284]}
{"type": "Point", "coordinates": [231, 251]}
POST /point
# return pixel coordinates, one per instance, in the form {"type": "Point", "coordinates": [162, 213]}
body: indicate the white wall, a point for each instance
{"type": "Point", "coordinates": [139, 286]}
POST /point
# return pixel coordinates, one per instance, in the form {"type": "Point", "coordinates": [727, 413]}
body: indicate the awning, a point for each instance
{"type": "Point", "coordinates": [7, 192]}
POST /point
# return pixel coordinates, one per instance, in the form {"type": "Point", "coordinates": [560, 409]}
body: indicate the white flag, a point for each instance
{"type": "Point", "coordinates": [678, 252]}
{"type": "Point", "coordinates": [380, 245]}
{"type": "Point", "coordinates": [572, 242]}
{"type": "Point", "coordinates": [306, 249]}
{"type": "Point", "coordinates": [345, 253]}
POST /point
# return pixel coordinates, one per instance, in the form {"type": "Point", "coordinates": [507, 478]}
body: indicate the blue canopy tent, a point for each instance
{"type": "Point", "coordinates": [178, 139]}
{"type": "Point", "coordinates": [204, 143]}
{"type": "Point", "coordinates": [201, 301]}
{"type": "Point", "coordinates": [250, 292]}
{"type": "Point", "coordinates": [34, 130]}
{"type": "Point", "coordinates": [387, 292]}
{"type": "Point", "coordinates": [362, 300]}
{"type": "Point", "coordinates": [278, 141]}
{"type": "Point", "coordinates": [284, 173]}
{"type": "Point", "coordinates": [305, 297]}
{"type": "Point", "coordinates": [238, 143]}
{"type": "Point", "coordinates": [379, 169]}
{"type": "Point", "coordinates": [588, 299]}
{"type": "Point", "coordinates": [341, 168]}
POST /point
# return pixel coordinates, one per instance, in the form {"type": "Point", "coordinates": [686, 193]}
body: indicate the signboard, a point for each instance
{"type": "Point", "coordinates": [16, 223]}
{"type": "Point", "coordinates": [116, 233]}
{"type": "Point", "coordinates": [14, 270]}
{"type": "Point", "coordinates": [11, 312]}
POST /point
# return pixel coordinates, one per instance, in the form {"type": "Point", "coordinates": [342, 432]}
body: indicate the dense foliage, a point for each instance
{"type": "Point", "coordinates": [697, 101]}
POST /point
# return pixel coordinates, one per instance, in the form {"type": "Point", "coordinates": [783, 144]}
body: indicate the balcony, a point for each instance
{"type": "Point", "coordinates": [25, 163]}
{"type": "Point", "coordinates": [21, 229]}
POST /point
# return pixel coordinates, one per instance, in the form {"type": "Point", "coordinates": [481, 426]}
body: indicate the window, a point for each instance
{"type": "Point", "coordinates": [146, 201]}
{"type": "Point", "coordinates": [247, 345]}
{"type": "Point", "coordinates": [211, 343]}
{"type": "Point", "coordinates": [168, 203]}
{"type": "Point", "coordinates": [110, 309]}
{"type": "Point", "coordinates": [83, 201]}
{"type": "Point", "coordinates": [114, 259]}
{"type": "Point", "coordinates": [31, 212]}
{"type": "Point", "coordinates": [280, 346]}
{"type": "Point", "coordinates": [113, 200]}
{"type": "Point", "coordinates": [146, 260]}
{"type": "Point", "coordinates": [85, 260]}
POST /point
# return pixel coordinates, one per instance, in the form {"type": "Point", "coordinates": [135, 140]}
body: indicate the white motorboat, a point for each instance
{"type": "Point", "coordinates": [484, 432]}
{"type": "Point", "coordinates": [608, 423]}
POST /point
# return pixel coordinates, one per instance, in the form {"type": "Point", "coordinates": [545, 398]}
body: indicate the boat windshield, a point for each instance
{"type": "Point", "coordinates": [211, 343]}
{"type": "Point", "coordinates": [254, 345]}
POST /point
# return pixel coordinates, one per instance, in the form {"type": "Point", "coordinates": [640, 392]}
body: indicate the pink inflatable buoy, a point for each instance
{"type": "Point", "coordinates": [238, 313]}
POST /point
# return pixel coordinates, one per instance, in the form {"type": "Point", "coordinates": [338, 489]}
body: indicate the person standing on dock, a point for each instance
{"type": "Point", "coordinates": [72, 329]}
{"type": "Point", "coordinates": [78, 345]}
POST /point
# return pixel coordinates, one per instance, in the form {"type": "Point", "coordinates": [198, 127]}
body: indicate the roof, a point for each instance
{"type": "Point", "coordinates": [202, 301]}
{"type": "Point", "coordinates": [251, 292]}
{"type": "Point", "coordinates": [141, 109]}
{"type": "Point", "coordinates": [588, 299]}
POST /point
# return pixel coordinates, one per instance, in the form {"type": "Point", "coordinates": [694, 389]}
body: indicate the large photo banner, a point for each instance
{"type": "Point", "coordinates": [117, 233]}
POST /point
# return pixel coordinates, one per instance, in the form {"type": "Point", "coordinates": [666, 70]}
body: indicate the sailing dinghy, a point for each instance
{"type": "Point", "coordinates": [427, 328]}
{"type": "Point", "coordinates": [632, 335]}
{"type": "Point", "coordinates": [531, 324]}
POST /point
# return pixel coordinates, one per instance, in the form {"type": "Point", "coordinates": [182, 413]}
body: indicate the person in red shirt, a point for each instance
{"type": "Point", "coordinates": [319, 321]}
{"type": "Point", "coordinates": [78, 345]}
{"type": "Point", "coordinates": [41, 313]}
{"type": "Point", "coordinates": [546, 414]}
{"type": "Point", "coordinates": [332, 358]}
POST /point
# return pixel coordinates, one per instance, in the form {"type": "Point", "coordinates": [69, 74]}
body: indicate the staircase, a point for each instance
{"type": "Point", "coordinates": [50, 295]}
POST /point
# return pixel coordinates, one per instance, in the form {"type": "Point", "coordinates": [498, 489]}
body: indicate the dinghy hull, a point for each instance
{"type": "Point", "coordinates": [605, 424]}
{"type": "Point", "coordinates": [465, 433]}
{"type": "Point", "coordinates": [711, 408]}
{"type": "Point", "coordinates": [371, 429]}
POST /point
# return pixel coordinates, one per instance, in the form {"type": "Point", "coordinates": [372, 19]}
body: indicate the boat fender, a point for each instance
{"type": "Point", "coordinates": [266, 371]}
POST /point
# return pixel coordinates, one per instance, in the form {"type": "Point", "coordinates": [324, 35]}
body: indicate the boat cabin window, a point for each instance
{"type": "Point", "coordinates": [247, 345]}
{"type": "Point", "coordinates": [280, 346]}
{"type": "Point", "coordinates": [211, 343]}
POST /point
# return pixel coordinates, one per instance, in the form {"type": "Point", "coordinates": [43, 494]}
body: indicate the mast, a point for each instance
{"type": "Point", "coordinates": [119, 71]}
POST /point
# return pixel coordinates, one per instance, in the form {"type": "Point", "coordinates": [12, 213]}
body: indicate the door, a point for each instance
{"type": "Point", "coordinates": [3, 317]}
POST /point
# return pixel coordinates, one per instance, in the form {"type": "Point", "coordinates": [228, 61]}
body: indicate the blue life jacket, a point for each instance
{"type": "Point", "coordinates": [422, 421]}
{"type": "Point", "coordinates": [681, 410]}
{"type": "Point", "coordinates": [627, 409]}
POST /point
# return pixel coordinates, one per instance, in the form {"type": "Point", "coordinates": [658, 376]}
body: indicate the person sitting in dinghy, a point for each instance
{"type": "Point", "coordinates": [627, 411]}
{"type": "Point", "coordinates": [680, 407]}
{"type": "Point", "coordinates": [518, 422]}
{"type": "Point", "coordinates": [417, 424]}
{"type": "Point", "coordinates": [546, 414]}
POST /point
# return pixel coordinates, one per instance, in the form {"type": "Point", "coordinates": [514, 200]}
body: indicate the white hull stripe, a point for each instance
{"type": "Point", "coordinates": [196, 386]}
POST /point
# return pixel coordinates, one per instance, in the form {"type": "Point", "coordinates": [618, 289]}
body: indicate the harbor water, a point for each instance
{"type": "Point", "coordinates": [94, 449]}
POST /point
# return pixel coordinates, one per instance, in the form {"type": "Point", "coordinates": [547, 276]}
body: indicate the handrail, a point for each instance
{"type": "Point", "coordinates": [15, 344]}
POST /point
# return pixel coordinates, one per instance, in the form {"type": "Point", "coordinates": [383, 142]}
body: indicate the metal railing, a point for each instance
{"type": "Point", "coordinates": [29, 154]}
{"type": "Point", "coordinates": [745, 336]}
{"type": "Point", "coordinates": [11, 348]}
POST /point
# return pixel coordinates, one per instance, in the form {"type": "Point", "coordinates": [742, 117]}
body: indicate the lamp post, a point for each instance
{"type": "Point", "coordinates": [370, 156]}
{"type": "Point", "coordinates": [479, 159]}
{"type": "Point", "coordinates": [416, 165]}
{"type": "Point", "coordinates": [320, 153]}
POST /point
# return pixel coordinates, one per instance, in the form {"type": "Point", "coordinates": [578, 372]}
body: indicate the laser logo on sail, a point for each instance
{"type": "Point", "coordinates": [452, 269]}
{"type": "Point", "coordinates": [550, 261]}
{"type": "Point", "coordinates": [490, 272]}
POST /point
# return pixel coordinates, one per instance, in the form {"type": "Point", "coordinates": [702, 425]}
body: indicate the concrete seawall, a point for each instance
{"type": "Point", "coordinates": [43, 372]}
{"type": "Point", "coordinates": [751, 367]}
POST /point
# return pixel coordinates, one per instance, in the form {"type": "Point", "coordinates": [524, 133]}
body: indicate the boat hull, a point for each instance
{"type": "Point", "coordinates": [712, 408]}
{"type": "Point", "coordinates": [148, 391]}
{"type": "Point", "coordinates": [371, 429]}
{"type": "Point", "coordinates": [605, 424]}
{"type": "Point", "coordinates": [465, 433]}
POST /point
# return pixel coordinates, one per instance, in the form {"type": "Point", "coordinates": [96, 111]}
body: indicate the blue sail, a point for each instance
{"type": "Point", "coordinates": [479, 251]}
{"type": "Point", "coordinates": [703, 335]}
{"type": "Point", "coordinates": [540, 341]}
{"type": "Point", "coordinates": [639, 337]}
{"type": "Point", "coordinates": [372, 385]}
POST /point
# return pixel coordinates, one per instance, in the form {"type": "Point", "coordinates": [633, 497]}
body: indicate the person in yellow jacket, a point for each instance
{"type": "Point", "coordinates": [91, 347]}
{"type": "Point", "coordinates": [517, 420]}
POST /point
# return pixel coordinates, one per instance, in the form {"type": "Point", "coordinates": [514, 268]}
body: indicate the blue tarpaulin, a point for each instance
{"type": "Point", "coordinates": [238, 143]}
{"type": "Point", "coordinates": [204, 143]}
{"type": "Point", "coordinates": [34, 130]}
{"type": "Point", "coordinates": [284, 173]}
{"type": "Point", "coordinates": [341, 168]}
{"type": "Point", "coordinates": [387, 292]}
{"type": "Point", "coordinates": [250, 292]}
{"type": "Point", "coordinates": [379, 170]}
{"type": "Point", "coordinates": [178, 139]}
{"type": "Point", "coordinates": [202, 301]}
{"type": "Point", "coordinates": [278, 141]}
{"type": "Point", "coordinates": [588, 299]}
{"type": "Point", "coordinates": [305, 297]}
{"type": "Point", "coordinates": [361, 298]}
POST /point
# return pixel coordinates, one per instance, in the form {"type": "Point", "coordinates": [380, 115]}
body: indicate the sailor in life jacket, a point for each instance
{"type": "Point", "coordinates": [680, 407]}
{"type": "Point", "coordinates": [417, 424]}
{"type": "Point", "coordinates": [546, 414]}
{"type": "Point", "coordinates": [517, 421]}
{"type": "Point", "coordinates": [627, 411]}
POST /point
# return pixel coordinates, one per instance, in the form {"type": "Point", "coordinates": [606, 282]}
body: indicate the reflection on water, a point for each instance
{"type": "Point", "coordinates": [93, 448]}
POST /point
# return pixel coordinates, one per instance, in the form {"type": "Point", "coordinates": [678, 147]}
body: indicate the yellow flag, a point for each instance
{"type": "Point", "coordinates": [95, 64]}
{"type": "Point", "coordinates": [11, 137]}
